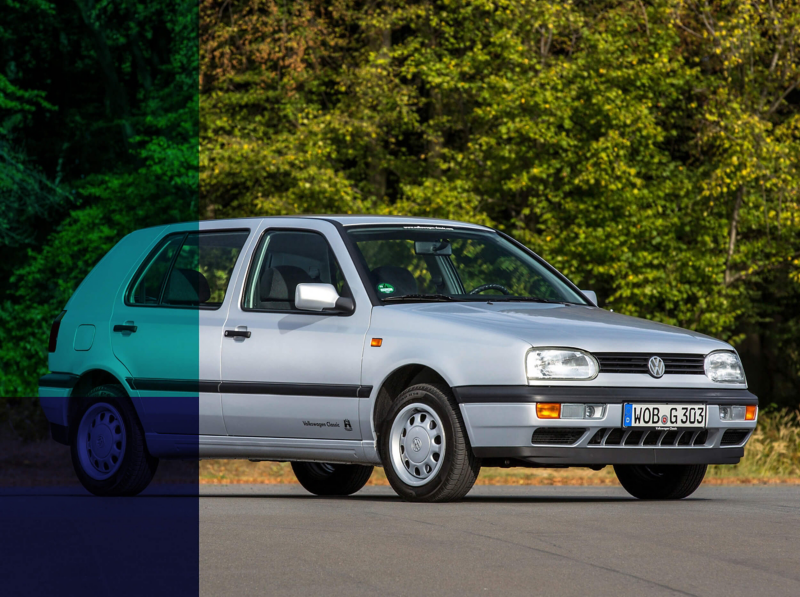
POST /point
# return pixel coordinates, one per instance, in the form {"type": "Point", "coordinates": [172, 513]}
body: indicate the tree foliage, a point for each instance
{"type": "Point", "coordinates": [99, 113]}
{"type": "Point", "coordinates": [647, 149]}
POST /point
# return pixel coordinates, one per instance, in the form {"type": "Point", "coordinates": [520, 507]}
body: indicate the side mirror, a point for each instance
{"type": "Point", "coordinates": [591, 295]}
{"type": "Point", "coordinates": [318, 297]}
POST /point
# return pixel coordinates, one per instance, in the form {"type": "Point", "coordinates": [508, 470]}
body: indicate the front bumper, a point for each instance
{"type": "Point", "coordinates": [501, 421]}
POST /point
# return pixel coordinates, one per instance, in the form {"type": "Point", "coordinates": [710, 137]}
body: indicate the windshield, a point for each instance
{"type": "Point", "coordinates": [430, 263]}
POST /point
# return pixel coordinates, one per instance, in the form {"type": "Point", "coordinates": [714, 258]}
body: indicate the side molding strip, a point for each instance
{"type": "Point", "coordinates": [249, 387]}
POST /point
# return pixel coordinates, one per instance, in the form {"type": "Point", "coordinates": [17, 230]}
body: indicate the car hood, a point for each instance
{"type": "Point", "coordinates": [575, 326]}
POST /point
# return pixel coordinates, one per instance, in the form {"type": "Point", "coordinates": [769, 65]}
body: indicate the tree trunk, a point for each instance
{"type": "Point", "coordinates": [142, 69]}
{"type": "Point", "coordinates": [381, 42]}
{"type": "Point", "coordinates": [729, 276]}
{"type": "Point", "coordinates": [435, 111]}
{"type": "Point", "coordinates": [117, 96]}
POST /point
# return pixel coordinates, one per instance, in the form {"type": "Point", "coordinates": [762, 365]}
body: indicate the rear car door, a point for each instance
{"type": "Point", "coordinates": [167, 324]}
{"type": "Point", "coordinates": [298, 373]}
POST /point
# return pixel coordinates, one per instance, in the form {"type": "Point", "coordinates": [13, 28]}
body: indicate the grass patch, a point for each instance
{"type": "Point", "coordinates": [773, 450]}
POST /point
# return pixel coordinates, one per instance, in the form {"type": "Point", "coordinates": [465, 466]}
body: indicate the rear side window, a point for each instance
{"type": "Point", "coordinates": [189, 270]}
{"type": "Point", "coordinates": [147, 288]}
{"type": "Point", "coordinates": [284, 259]}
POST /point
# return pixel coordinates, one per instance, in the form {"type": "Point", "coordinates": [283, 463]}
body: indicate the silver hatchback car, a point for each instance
{"type": "Point", "coordinates": [339, 343]}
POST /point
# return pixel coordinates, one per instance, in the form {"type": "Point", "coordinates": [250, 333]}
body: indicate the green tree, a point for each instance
{"type": "Point", "coordinates": [649, 150]}
{"type": "Point", "coordinates": [103, 101]}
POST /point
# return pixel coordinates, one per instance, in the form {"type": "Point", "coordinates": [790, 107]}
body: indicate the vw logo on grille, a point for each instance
{"type": "Point", "coordinates": [656, 367]}
{"type": "Point", "coordinates": [417, 444]}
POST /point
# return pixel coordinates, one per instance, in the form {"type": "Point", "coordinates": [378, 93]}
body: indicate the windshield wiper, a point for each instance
{"type": "Point", "coordinates": [419, 297]}
{"type": "Point", "coordinates": [527, 299]}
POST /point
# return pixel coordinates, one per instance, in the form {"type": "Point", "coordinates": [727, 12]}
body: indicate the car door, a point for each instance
{"type": "Point", "coordinates": [290, 373]}
{"type": "Point", "coordinates": [166, 327]}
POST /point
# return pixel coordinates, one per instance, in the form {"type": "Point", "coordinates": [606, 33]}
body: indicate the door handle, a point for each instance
{"type": "Point", "coordinates": [237, 334]}
{"type": "Point", "coordinates": [125, 328]}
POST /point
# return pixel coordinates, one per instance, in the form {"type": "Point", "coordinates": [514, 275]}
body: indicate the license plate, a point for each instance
{"type": "Point", "coordinates": [664, 415]}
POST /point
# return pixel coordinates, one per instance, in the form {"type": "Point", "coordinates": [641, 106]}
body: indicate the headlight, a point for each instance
{"type": "Point", "coordinates": [560, 363]}
{"type": "Point", "coordinates": [724, 367]}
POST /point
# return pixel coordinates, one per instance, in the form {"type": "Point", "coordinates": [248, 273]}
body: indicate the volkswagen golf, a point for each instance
{"type": "Point", "coordinates": [339, 343]}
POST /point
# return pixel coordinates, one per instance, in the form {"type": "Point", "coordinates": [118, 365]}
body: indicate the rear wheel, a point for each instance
{"type": "Point", "coordinates": [107, 444]}
{"type": "Point", "coordinates": [321, 478]}
{"type": "Point", "coordinates": [661, 482]}
{"type": "Point", "coordinates": [424, 447]}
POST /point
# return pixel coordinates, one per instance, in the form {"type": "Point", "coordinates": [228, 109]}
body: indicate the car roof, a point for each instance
{"type": "Point", "coordinates": [345, 220]}
{"type": "Point", "coordinates": [367, 220]}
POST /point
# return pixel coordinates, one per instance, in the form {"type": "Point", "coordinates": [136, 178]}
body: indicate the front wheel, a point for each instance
{"type": "Point", "coordinates": [107, 445]}
{"type": "Point", "coordinates": [325, 479]}
{"type": "Point", "coordinates": [424, 447]}
{"type": "Point", "coordinates": [661, 482]}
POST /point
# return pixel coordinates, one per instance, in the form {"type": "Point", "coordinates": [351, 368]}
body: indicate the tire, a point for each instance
{"type": "Point", "coordinates": [115, 461]}
{"type": "Point", "coordinates": [331, 479]}
{"type": "Point", "coordinates": [425, 421]}
{"type": "Point", "coordinates": [661, 482]}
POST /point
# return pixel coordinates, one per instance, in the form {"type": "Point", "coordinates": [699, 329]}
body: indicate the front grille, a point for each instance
{"type": "Point", "coordinates": [557, 436]}
{"type": "Point", "coordinates": [654, 437]}
{"type": "Point", "coordinates": [734, 437]}
{"type": "Point", "coordinates": [636, 362]}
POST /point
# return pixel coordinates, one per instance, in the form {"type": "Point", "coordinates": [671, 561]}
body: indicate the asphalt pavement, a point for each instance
{"type": "Point", "coordinates": [278, 540]}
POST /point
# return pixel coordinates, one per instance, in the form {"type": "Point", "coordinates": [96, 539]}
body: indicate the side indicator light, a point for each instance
{"type": "Point", "coordinates": [376, 342]}
{"type": "Point", "coordinates": [750, 413]}
{"type": "Point", "coordinates": [548, 410]}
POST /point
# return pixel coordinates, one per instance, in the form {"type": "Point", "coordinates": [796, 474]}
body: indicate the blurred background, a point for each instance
{"type": "Point", "coordinates": [648, 150]}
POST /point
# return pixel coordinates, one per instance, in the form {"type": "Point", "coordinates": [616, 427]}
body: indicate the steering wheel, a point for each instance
{"type": "Point", "coordinates": [483, 287]}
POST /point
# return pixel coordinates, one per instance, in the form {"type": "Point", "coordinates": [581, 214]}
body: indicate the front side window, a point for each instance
{"type": "Point", "coordinates": [189, 270]}
{"type": "Point", "coordinates": [284, 259]}
{"type": "Point", "coordinates": [440, 263]}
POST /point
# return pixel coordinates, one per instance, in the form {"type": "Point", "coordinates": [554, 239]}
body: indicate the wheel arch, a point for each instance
{"type": "Point", "coordinates": [89, 380]}
{"type": "Point", "coordinates": [392, 386]}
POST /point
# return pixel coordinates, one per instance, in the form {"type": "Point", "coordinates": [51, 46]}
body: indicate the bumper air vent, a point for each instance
{"type": "Point", "coordinates": [652, 438]}
{"type": "Point", "coordinates": [734, 437]}
{"type": "Point", "coordinates": [669, 438]}
{"type": "Point", "coordinates": [557, 436]}
{"type": "Point", "coordinates": [657, 438]}
{"type": "Point", "coordinates": [634, 437]}
{"type": "Point", "coordinates": [597, 438]}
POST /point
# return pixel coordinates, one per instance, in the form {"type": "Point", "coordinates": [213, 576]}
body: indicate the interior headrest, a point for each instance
{"type": "Point", "coordinates": [279, 283]}
{"type": "Point", "coordinates": [188, 286]}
